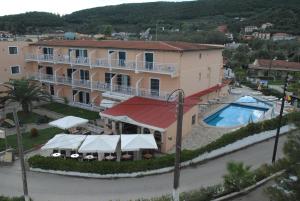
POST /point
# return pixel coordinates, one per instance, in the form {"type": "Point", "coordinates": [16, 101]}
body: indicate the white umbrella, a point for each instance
{"type": "Point", "coordinates": [136, 142]}
{"type": "Point", "coordinates": [100, 143]}
{"type": "Point", "coordinates": [68, 122]}
{"type": "Point", "coordinates": [64, 141]}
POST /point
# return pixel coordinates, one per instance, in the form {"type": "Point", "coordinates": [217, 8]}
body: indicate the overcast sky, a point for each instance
{"type": "Point", "coordinates": [58, 6]}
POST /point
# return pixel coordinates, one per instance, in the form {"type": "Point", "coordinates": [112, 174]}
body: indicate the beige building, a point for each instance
{"type": "Point", "coordinates": [12, 65]}
{"type": "Point", "coordinates": [125, 79]}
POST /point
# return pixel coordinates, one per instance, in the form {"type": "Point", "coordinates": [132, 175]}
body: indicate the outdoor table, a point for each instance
{"type": "Point", "coordinates": [89, 157]}
{"type": "Point", "coordinates": [75, 156]}
{"type": "Point", "coordinates": [126, 156]}
{"type": "Point", "coordinates": [148, 156]}
{"type": "Point", "coordinates": [56, 155]}
{"type": "Point", "coordinates": [110, 157]}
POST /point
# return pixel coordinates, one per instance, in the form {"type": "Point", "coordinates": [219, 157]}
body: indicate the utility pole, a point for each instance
{"type": "Point", "coordinates": [178, 146]}
{"type": "Point", "coordinates": [279, 120]}
{"type": "Point", "coordinates": [21, 155]}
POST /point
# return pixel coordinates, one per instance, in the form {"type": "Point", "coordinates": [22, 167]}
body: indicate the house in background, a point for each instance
{"type": "Point", "coordinates": [136, 78]}
{"type": "Point", "coordinates": [277, 69]}
{"type": "Point", "coordinates": [282, 36]}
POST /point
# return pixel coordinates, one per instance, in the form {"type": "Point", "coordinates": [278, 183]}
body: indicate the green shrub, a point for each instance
{"type": "Point", "coordinates": [203, 194]}
{"type": "Point", "coordinates": [43, 119]}
{"type": "Point", "coordinates": [238, 177]}
{"type": "Point", "coordinates": [34, 132]}
{"type": "Point", "coordinates": [2, 198]}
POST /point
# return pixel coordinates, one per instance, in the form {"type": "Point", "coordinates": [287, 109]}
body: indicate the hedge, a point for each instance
{"type": "Point", "coordinates": [107, 167]}
{"type": "Point", "coordinates": [2, 198]}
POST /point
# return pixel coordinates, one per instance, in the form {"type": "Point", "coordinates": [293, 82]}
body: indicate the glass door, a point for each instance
{"type": "Point", "coordinates": [154, 87]}
{"type": "Point", "coordinates": [149, 61]}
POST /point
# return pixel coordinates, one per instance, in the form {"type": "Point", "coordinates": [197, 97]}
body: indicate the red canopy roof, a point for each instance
{"type": "Point", "coordinates": [153, 112]}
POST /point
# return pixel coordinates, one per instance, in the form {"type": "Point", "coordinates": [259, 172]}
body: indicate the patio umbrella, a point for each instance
{"type": "Point", "coordinates": [64, 141]}
{"type": "Point", "coordinates": [135, 142]}
{"type": "Point", "coordinates": [68, 122]}
{"type": "Point", "coordinates": [100, 144]}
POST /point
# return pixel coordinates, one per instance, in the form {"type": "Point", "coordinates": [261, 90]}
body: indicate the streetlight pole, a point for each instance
{"type": "Point", "coordinates": [280, 119]}
{"type": "Point", "coordinates": [21, 155]}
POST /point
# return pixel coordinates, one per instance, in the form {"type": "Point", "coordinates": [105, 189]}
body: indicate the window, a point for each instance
{"type": "Point", "coordinates": [13, 50]}
{"type": "Point", "coordinates": [122, 58]}
{"type": "Point", "coordinates": [199, 76]}
{"type": "Point", "coordinates": [193, 119]}
{"type": "Point", "coordinates": [149, 60]}
{"type": "Point", "coordinates": [15, 69]}
{"type": "Point", "coordinates": [154, 87]}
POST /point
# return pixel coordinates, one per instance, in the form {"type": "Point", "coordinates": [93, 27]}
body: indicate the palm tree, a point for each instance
{"type": "Point", "coordinates": [25, 92]}
{"type": "Point", "coordinates": [238, 177]}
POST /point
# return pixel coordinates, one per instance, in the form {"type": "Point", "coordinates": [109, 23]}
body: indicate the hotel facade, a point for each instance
{"type": "Point", "coordinates": [129, 82]}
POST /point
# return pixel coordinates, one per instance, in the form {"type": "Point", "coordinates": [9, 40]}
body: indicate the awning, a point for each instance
{"type": "Point", "coordinates": [107, 103]}
{"type": "Point", "coordinates": [100, 143]}
{"type": "Point", "coordinates": [135, 142]}
{"type": "Point", "coordinates": [64, 141]}
{"type": "Point", "coordinates": [68, 122]}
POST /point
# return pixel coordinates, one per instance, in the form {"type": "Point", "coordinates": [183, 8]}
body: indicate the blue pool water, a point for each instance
{"type": "Point", "coordinates": [238, 113]}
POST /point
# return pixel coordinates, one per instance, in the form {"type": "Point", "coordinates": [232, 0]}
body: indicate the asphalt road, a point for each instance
{"type": "Point", "coordinates": [49, 187]}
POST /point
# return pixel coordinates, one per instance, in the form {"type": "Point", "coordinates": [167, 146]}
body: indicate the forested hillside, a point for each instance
{"type": "Point", "coordinates": [192, 15]}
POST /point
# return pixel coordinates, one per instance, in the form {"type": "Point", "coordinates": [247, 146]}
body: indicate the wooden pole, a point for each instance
{"type": "Point", "coordinates": [178, 146]}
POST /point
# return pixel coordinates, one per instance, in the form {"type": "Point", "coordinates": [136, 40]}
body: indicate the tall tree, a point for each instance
{"type": "Point", "coordinates": [24, 92]}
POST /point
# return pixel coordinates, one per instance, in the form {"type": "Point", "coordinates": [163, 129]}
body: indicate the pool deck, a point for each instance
{"type": "Point", "coordinates": [203, 134]}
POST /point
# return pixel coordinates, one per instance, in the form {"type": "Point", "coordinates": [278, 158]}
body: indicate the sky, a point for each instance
{"type": "Point", "coordinates": [59, 6]}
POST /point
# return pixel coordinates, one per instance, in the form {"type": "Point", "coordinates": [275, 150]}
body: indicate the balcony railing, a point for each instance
{"type": "Point", "coordinates": [100, 86]}
{"type": "Point", "coordinates": [142, 66]}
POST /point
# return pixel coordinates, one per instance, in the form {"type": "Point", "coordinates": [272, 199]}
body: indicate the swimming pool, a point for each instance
{"type": "Point", "coordinates": [238, 113]}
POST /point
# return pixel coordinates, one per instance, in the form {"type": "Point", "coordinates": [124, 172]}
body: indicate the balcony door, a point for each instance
{"type": "Point", "coordinates": [154, 87]}
{"type": "Point", "coordinates": [84, 97]}
{"type": "Point", "coordinates": [149, 60]}
{"type": "Point", "coordinates": [48, 51]}
{"type": "Point", "coordinates": [122, 58]}
{"type": "Point", "coordinates": [49, 70]}
{"type": "Point", "coordinates": [123, 80]}
{"type": "Point", "coordinates": [84, 75]}
{"type": "Point", "coordinates": [79, 53]}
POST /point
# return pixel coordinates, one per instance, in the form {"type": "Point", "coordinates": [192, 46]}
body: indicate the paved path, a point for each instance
{"type": "Point", "coordinates": [47, 187]}
{"type": "Point", "coordinates": [51, 114]}
{"type": "Point", "coordinates": [26, 128]}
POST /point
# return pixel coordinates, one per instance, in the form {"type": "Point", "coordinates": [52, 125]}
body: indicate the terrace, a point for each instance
{"type": "Point", "coordinates": [137, 65]}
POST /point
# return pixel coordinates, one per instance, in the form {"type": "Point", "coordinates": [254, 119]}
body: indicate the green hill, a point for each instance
{"type": "Point", "coordinates": [192, 15]}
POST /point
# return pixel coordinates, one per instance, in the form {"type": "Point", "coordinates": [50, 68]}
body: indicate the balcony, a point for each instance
{"type": "Point", "coordinates": [110, 90]}
{"type": "Point", "coordinates": [137, 66]}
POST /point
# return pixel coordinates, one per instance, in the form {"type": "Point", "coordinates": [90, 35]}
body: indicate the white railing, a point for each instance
{"type": "Point", "coordinates": [168, 68]}
{"type": "Point", "coordinates": [100, 86]}
{"type": "Point", "coordinates": [155, 67]}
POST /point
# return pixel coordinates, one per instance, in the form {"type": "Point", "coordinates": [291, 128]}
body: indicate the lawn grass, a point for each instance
{"type": "Point", "coordinates": [25, 118]}
{"type": "Point", "coordinates": [29, 142]}
{"type": "Point", "coordinates": [71, 111]}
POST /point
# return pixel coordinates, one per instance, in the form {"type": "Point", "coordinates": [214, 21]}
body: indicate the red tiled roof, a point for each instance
{"type": "Point", "coordinates": [275, 65]}
{"type": "Point", "coordinates": [143, 45]}
{"type": "Point", "coordinates": [152, 112]}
